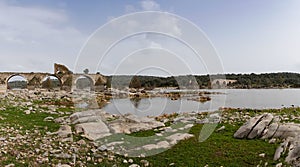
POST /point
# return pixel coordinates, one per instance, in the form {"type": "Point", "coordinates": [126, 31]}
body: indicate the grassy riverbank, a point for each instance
{"type": "Point", "coordinates": [25, 141]}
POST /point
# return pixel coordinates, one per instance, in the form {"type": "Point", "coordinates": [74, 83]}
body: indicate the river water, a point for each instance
{"type": "Point", "coordinates": [236, 98]}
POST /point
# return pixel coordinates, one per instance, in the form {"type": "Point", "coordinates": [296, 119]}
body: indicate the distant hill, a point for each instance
{"type": "Point", "coordinates": [267, 80]}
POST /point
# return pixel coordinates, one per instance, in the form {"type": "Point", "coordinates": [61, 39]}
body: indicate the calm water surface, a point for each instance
{"type": "Point", "coordinates": [237, 98]}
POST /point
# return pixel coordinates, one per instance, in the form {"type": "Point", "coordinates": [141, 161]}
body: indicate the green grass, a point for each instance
{"type": "Point", "coordinates": [15, 117]}
{"type": "Point", "coordinates": [220, 149]}
{"type": "Point", "coordinates": [145, 133]}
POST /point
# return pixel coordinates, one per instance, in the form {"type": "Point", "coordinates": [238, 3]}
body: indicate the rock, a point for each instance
{"type": "Point", "coordinates": [244, 130]}
{"type": "Point", "coordinates": [214, 118]}
{"type": "Point", "coordinates": [272, 141]}
{"type": "Point", "coordinates": [281, 149]}
{"type": "Point", "coordinates": [221, 128]}
{"type": "Point", "coordinates": [270, 131]}
{"type": "Point", "coordinates": [134, 165]}
{"type": "Point", "coordinates": [203, 121]}
{"type": "Point", "coordinates": [87, 119]}
{"type": "Point", "coordinates": [10, 165]}
{"type": "Point", "coordinates": [48, 119]}
{"type": "Point", "coordinates": [93, 130]}
{"type": "Point", "coordinates": [258, 128]}
{"type": "Point", "coordinates": [159, 145]}
{"type": "Point", "coordinates": [177, 137]}
{"type": "Point", "coordinates": [69, 139]}
{"type": "Point", "coordinates": [163, 144]}
{"type": "Point", "coordinates": [74, 117]}
{"type": "Point", "coordinates": [262, 155]}
{"type": "Point", "coordinates": [293, 156]}
{"type": "Point", "coordinates": [59, 120]}
{"type": "Point", "coordinates": [130, 161]}
{"type": "Point", "coordinates": [102, 148]}
{"type": "Point", "coordinates": [63, 165]}
{"type": "Point", "coordinates": [132, 123]}
{"type": "Point", "coordinates": [63, 156]}
{"type": "Point", "coordinates": [27, 112]}
{"type": "Point", "coordinates": [81, 142]}
{"type": "Point", "coordinates": [169, 129]}
{"type": "Point", "coordinates": [279, 164]}
{"type": "Point", "coordinates": [287, 130]}
{"type": "Point", "coordinates": [145, 162]}
{"type": "Point", "coordinates": [64, 131]}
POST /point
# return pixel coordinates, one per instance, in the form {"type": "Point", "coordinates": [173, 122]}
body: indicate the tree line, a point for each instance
{"type": "Point", "coordinates": [266, 80]}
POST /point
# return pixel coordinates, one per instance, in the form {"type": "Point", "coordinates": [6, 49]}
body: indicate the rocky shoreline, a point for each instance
{"type": "Point", "coordinates": [45, 129]}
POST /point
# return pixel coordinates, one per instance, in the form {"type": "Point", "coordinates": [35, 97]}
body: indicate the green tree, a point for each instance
{"type": "Point", "coordinates": [86, 71]}
{"type": "Point", "coordinates": [135, 83]}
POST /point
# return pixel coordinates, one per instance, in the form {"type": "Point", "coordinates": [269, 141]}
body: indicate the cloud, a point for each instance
{"type": "Point", "coordinates": [149, 5]}
{"type": "Point", "coordinates": [130, 9]}
{"type": "Point", "coordinates": [34, 37]}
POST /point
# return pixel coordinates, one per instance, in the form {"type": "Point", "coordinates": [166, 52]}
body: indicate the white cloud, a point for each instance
{"type": "Point", "coordinates": [33, 38]}
{"type": "Point", "coordinates": [130, 9]}
{"type": "Point", "coordinates": [149, 5]}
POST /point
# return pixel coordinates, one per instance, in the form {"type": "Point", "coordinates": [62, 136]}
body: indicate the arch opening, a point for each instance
{"type": "Point", "coordinates": [84, 83]}
{"type": "Point", "coordinates": [51, 82]}
{"type": "Point", "coordinates": [17, 82]}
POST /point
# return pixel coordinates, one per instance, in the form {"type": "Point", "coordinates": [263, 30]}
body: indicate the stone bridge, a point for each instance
{"type": "Point", "coordinates": [66, 78]}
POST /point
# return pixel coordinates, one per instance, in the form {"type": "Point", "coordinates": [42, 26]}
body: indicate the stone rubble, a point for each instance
{"type": "Point", "coordinates": [61, 147]}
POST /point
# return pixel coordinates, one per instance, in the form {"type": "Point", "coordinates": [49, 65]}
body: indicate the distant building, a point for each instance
{"type": "Point", "coordinates": [221, 83]}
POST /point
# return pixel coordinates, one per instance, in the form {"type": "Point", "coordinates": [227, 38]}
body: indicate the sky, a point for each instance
{"type": "Point", "coordinates": [248, 36]}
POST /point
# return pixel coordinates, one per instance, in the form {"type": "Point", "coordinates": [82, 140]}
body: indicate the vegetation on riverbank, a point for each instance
{"type": "Point", "coordinates": [268, 80]}
{"type": "Point", "coordinates": [26, 141]}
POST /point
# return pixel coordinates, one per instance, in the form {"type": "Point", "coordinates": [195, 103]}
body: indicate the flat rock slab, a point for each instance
{"type": "Point", "coordinates": [93, 130]}
{"type": "Point", "coordinates": [131, 123]}
{"type": "Point", "coordinates": [159, 145]}
{"type": "Point", "coordinates": [87, 119]}
{"type": "Point", "coordinates": [126, 127]}
{"type": "Point", "coordinates": [90, 113]}
{"type": "Point", "coordinates": [178, 136]}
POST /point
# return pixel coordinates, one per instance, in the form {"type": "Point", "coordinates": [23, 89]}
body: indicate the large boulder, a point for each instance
{"type": "Point", "coordinates": [260, 126]}
{"type": "Point", "coordinates": [93, 130]}
{"type": "Point", "coordinates": [244, 130]}
{"type": "Point", "coordinates": [287, 130]}
{"type": "Point", "coordinates": [270, 131]}
{"type": "Point", "coordinates": [267, 126]}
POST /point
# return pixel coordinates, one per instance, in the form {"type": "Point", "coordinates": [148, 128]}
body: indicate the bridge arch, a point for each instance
{"type": "Point", "coordinates": [51, 82]}
{"type": "Point", "coordinates": [16, 81]}
{"type": "Point", "coordinates": [84, 82]}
